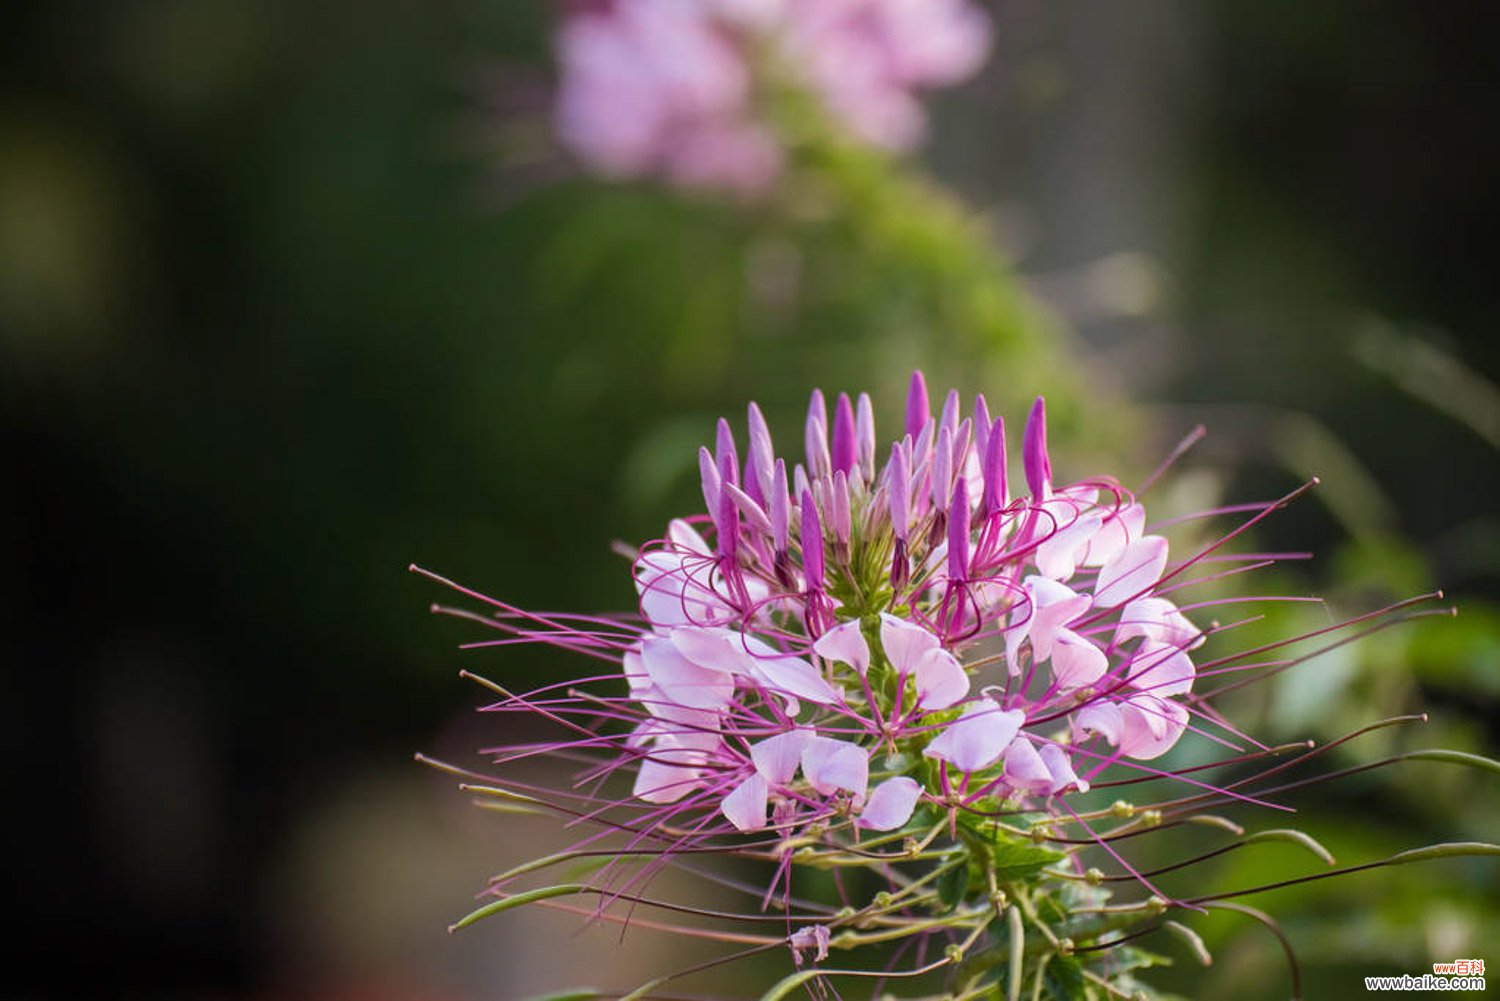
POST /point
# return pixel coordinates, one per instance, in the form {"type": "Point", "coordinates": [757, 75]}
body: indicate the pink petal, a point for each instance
{"type": "Point", "coordinates": [1061, 770]}
{"type": "Point", "coordinates": [656, 782]}
{"type": "Point", "coordinates": [1076, 661]}
{"type": "Point", "coordinates": [1052, 606]}
{"type": "Point", "coordinates": [977, 738]}
{"type": "Point", "coordinates": [1102, 718]}
{"type": "Point", "coordinates": [688, 718]}
{"type": "Point", "coordinates": [683, 682]}
{"type": "Point", "coordinates": [814, 938]}
{"type": "Point", "coordinates": [1150, 726]}
{"type": "Point", "coordinates": [845, 642]}
{"type": "Point", "coordinates": [904, 642]}
{"type": "Point", "coordinates": [941, 680]}
{"type": "Point", "coordinates": [710, 648]}
{"type": "Point", "coordinates": [683, 535]}
{"type": "Point", "coordinates": [1159, 622]}
{"type": "Point", "coordinates": [793, 678]}
{"type": "Point", "coordinates": [1161, 670]}
{"type": "Point", "coordinates": [831, 765]}
{"type": "Point", "coordinates": [669, 772]}
{"type": "Point", "coordinates": [673, 590]}
{"type": "Point", "coordinates": [1024, 768]}
{"type": "Point", "coordinates": [1131, 574]}
{"type": "Point", "coordinates": [1014, 637]}
{"type": "Point", "coordinates": [1057, 557]}
{"type": "Point", "coordinates": [635, 673]}
{"type": "Point", "coordinates": [1120, 528]}
{"type": "Point", "coordinates": [746, 805]}
{"type": "Point", "coordinates": [777, 757]}
{"type": "Point", "coordinates": [890, 804]}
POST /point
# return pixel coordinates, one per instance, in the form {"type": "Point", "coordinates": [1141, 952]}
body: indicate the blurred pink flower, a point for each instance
{"type": "Point", "coordinates": [671, 88]}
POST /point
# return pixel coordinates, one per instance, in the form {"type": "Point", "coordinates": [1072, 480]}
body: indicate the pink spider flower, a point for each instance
{"type": "Point", "coordinates": [838, 642]}
{"type": "Point", "coordinates": [824, 625]}
{"type": "Point", "coordinates": [677, 89]}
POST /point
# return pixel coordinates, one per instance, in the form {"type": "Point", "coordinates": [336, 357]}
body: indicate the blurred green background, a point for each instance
{"type": "Point", "coordinates": [292, 294]}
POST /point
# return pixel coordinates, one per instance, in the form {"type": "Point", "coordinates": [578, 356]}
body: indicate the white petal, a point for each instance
{"type": "Point", "coordinates": [845, 642]}
{"type": "Point", "coordinates": [1132, 573]}
{"type": "Point", "coordinates": [891, 804]}
{"type": "Point", "coordinates": [746, 805]}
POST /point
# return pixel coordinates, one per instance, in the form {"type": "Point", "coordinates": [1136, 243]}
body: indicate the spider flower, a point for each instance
{"type": "Point", "coordinates": [907, 660]}
{"type": "Point", "coordinates": [817, 622]}
{"type": "Point", "coordinates": [678, 89]}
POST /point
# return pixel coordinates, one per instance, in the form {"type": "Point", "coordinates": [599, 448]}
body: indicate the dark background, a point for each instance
{"type": "Point", "coordinates": [291, 294]}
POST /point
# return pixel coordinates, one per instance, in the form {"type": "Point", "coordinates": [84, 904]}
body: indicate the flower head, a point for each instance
{"type": "Point", "coordinates": [1020, 643]}
{"type": "Point", "coordinates": [839, 653]}
{"type": "Point", "coordinates": [679, 90]}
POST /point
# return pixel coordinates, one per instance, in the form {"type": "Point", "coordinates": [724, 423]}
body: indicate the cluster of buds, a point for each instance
{"type": "Point", "coordinates": [682, 90]}
{"type": "Point", "coordinates": [915, 668]}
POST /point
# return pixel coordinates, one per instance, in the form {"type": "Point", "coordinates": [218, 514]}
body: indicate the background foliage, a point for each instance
{"type": "Point", "coordinates": [292, 294]}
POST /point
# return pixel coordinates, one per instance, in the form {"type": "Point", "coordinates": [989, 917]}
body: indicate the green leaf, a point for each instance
{"type": "Point", "coordinates": [952, 885]}
{"type": "Point", "coordinates": [1063, 977]}
{"type": "Point", "coordinates": [1124, 958]}
{"type": "Point", "coordinates": [1015, 860]}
